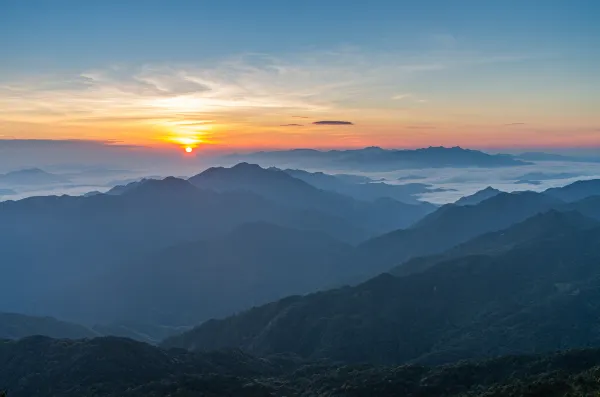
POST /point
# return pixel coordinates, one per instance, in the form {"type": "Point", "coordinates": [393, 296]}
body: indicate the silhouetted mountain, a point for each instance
{"type": "Point", "coordinates": [540, 156]}
{"type": "Point", "coordinates": [363, 191]}
{"type": "Point", "coordinates": [537, 297]}
{"type": "Point", "coordinates": [192, 282]}
{"type": "Point", "coordinates": [528, 182]}
{"type": "Point", "coordinates": [589, 207]}
{"type": "Point", "coordinates": [375, 158]}
{"type": "Point", "coordinates": [65, 240]}
{"type": "Point", "coordinates": [411, 177]}
{"type": "Point", "coordinates": [478, 197]}
{"type": "Point", "coordinates": [120, 189]}
{"type": "Point", "coordinates": [16, 326]}
{"type": "Point", "coordinates": [92, 193]}
{"type": "Point", "coordinates": [545, 176]}
{"type": "Point", "coordinates": [113, 367]}
{"type": "Point", "coordinates": [448, 226]}
{"type": "Point", "coordinates": [551, 224]}
{"type": "Point", "coordinates": [576, 191]}
{"type": "Point", "coordinates": [270, 183]}
{"type": "Point", "coordinates": [378, 216]}
{"type": "Point", "coordinates": [142, 332]}
{"type": "Point", "coordinates": [31, 176]}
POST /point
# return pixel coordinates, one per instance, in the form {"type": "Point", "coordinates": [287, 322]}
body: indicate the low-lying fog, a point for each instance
{"type": "Point", "coordinates": [446, 184]}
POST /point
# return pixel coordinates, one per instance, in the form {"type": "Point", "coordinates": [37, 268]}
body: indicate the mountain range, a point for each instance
{"type": "Point", "coordinates": [380, 214]}
{"type": "Point", "coordinates": [17, 326]}
{"type": "Point", "coordinates": [192, 282]}
{"type": "Point", "coordinates": [66, 240]}
{"type": "Point", "coordinates": [369, 190]}
{"type": "Point", "coordinates": [72, 241]}
{"type": "Point", "coordinates": [478, 196]}
{"type": "Point", "coordinates": [540, 295]}
{"type": "Point", "coordinates": [302, 270]}
{"type": "Point", "coordinates": [378, 159]}
{"type": "Point", "coordinates": [114, 367]}
{"type": "Point", "coordinates": [31, 176]}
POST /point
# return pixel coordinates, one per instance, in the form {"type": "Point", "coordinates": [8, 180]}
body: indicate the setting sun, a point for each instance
{"type": "Point", "coordinates": [189, 149]}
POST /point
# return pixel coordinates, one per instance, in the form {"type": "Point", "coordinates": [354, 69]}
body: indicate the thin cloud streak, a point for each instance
{"type": "Point", "coordinates": [333, 122]}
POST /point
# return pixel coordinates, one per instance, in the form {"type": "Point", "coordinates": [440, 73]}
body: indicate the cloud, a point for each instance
{"type": "Point", "coordinates": [291, 125]}
{"type": "Point", "coordinates": [401, 96]}
{"type": "Point", "coordinates": [47, 143]}
{"type": "Point", "coordinates": [333, 122]}
{"type": "Point", "coordinates": [142, 103]}
{"type": "Point", "coordinates": [513, 124]}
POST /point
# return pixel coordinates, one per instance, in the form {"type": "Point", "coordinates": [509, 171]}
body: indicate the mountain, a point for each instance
{"type": "Point", "coordinates": [66, 240]}
{"type": "Point", "coordinates": [576, 191]}
{"type": "Point", "coordinates": [362, 191]}
{"type": "Point", "coordinates": [450, 225]}
{"type": "Point", "coordinates": [31, 176]}
{"type": "Point", "coordinates": [16, 326]}
{"type": "Point", "coordinates": [540, 296]}
{"type": "Point", "coordinates": [540, 156]}
{"type": "Point", "coordinates": [551, 224]}
{"type": "Point", "coordinates": [589, 207]}
{"type": "Point", "coordinates": [270, 183]}
{"type": "Point", "coordinates": [378, 159]}
{"type": "Point", "coordinates": [478, 197]}
{"type": "Point", "coordinates": [142, 332]}
{"type": "Point", "coordinates": [113, 367]}
{"type": "Point", "coordinates": [120, 189]}
{"type": "Point", "coordinates": [193, 282]}
{"type": "Point", "coordinates": [377, 216]}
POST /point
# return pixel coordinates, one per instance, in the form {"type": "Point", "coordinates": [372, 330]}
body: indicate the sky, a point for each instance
{"type": "Point", "coordinates": [246, 75]}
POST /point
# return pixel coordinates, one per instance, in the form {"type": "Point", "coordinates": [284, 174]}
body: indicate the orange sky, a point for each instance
{"type": "Point", "coordinates": [267, 102]}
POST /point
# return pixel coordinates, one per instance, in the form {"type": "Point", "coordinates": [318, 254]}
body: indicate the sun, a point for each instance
{"type": "Point", "coordinates": [189, 149]}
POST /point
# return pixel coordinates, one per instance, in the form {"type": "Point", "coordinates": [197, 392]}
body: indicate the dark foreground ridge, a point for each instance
{"type": "Point", "coordinates": [115, 367]}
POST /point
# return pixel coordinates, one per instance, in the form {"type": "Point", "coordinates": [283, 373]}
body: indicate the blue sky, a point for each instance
{"type": "Point", "coordinates": [74, 32]}
{"type": "Point", "coordinates": [463, 62]}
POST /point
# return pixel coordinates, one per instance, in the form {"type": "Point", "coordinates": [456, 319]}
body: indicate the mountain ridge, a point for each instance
{"type": "Point", "coordinates": [469, 307]}
{"type": "Point", "coordinates": [376, 158]}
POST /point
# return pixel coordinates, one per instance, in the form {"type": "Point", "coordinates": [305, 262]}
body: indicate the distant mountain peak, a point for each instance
{"type": "Point", "coordinates": [576, 191]}
{"type": "Point", "coordinates": [33, 170]}
{"type": "Point", "coordinates": [490, 189]}
{"type": "Point", "coordinates": [246, 166]}
{"type": "Point", "coordinates": [168, 184]}
{"type": "Point", "coordinates": [374, 158]}
{"type": "Point", "coordinates": [478, 196]}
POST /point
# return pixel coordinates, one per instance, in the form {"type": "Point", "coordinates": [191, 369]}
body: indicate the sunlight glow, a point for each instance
{"type": "Point", "coordinates": [189, 149]}
{"type": "Point", "coordinates": [184, 140]}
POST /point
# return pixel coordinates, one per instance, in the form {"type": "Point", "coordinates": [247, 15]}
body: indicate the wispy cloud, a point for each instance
{"type": "Point", "coordinates": [291, 125]}
{"type": "Point", "coordinates": [333, 122]}
{"type": "Point", "coordinates": [514, 124]}
{"type": "Point", "coordinates": [398, 97]}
